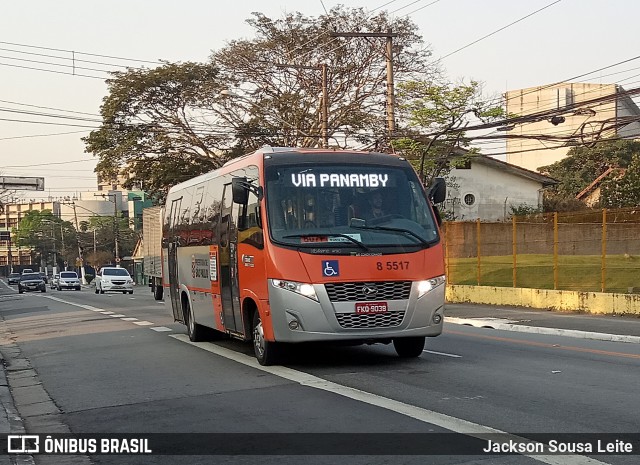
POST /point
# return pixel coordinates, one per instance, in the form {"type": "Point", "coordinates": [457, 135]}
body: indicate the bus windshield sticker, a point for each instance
{"type": "Point", "coordinates": [306, 179]}
{"type": "Point", "coordinates": [316, 239]}
{"type": "Point", "coordinates": [344, 239]}
{"type": "Point", "coordinates": [330, 268]}
{"type": "Point", "coordinates": [310, 239]}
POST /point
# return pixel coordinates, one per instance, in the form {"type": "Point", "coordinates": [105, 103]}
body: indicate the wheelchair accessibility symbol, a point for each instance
{"type": "Point", "coordinates": [330, 268]}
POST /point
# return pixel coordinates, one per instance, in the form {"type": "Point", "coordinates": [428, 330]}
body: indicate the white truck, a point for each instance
{"type": "Point", "coordinates": [152, 249]}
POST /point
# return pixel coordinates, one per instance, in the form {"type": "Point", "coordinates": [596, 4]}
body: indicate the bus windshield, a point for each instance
{"type": "Point", "coordinates": [362, 207]}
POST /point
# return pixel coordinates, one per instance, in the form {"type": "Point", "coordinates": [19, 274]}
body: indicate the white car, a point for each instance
{"type": "Point", "coordinates": [68, 280]}
{"type": "Point", "coordinates": [111, 278]}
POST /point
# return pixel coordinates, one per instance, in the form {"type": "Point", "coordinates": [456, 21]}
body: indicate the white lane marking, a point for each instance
{"type": "Point", "coordinates": [161, 328]}
{"type": "Point", "coordinates": [457, 425]}
{"type": "Point", "coordinates": [442, 353]}
{"type": "Point", "coordinates": [142, 323]}
{"type": "Point", "coordinates": [106, 312]}
{"type": "Point", "coordinates": [130, 319]}
{"type": "Point", "coordinates": [117, 315]}
{"type": "Point", "coordinates": [497, 323]}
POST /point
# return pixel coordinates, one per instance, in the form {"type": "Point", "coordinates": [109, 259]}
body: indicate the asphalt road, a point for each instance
{"type": "Point", "coordinates": [85, 363]}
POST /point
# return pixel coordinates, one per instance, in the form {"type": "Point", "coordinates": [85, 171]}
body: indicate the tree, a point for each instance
{"type": "Point", "coordinates": [280, 105]}
{"type": "Point", "coordinates": [157, 128]}
{"type": "Point", "coordinates": [165, 125]}
{"type": "Point", "coordinates": [46, 235]}
{"type": "Point", "coordinates": [583, 165]}
{"type": "Point", "coordinates": [105, 231]}
{"type": "Point", "coordinates": [442, 111]}
{"type": "Point", "coordinates": [625, 190]}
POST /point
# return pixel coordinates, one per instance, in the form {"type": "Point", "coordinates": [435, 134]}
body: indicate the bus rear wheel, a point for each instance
{"type": "Point", "coordinates": [267, 352]}
{"type": "Point", "coordinates": [157, 291]}
{"type": "Point", "coordinates": [409, 347]}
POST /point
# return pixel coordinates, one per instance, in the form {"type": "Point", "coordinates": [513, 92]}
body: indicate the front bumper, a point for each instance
{"type": "Point", "coordinates": [116, 287]}
{"type": "Point", "coordinates": [68, 285]}
{"type": "Point", "coordinates": [324, 320]}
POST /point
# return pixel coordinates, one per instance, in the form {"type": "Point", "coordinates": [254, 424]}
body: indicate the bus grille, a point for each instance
{"type": "Point", "coordinates": [370, 320]}
{"type": "Point", "coordinates": [352, 292]}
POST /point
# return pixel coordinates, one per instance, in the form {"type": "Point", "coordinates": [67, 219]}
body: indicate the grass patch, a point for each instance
{"type": "Point", "coordinates": [575, 272]}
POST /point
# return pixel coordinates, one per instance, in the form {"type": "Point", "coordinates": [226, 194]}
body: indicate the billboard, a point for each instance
{"type": "Point", "coordinates": [22, 183]}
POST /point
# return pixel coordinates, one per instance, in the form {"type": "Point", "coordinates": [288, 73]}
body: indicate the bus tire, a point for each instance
{"type": "Point", "coordinates": [194, 330]}
{"type": "Point", "coordinates": [157, 291]}
{"type": "Point", "coordinates": [266, 352]}
{"type": "Point", "coordinates": [409, 347]}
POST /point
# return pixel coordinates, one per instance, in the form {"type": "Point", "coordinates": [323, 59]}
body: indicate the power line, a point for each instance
{"type": "Point", "coordinates": [43, 135]}
{"type": "Point", "coordinates": [52, 71]}
{"type": "Point", "coordinates": [63, 162]}
{"type": "Point", "coordinates": [501, 29]}
{"type": "Point", "coordinates": [421, 8]}
{"type": "Point", "coordinates": [48, 108]}
{"type": "Point", "coordinates": [81, 53]}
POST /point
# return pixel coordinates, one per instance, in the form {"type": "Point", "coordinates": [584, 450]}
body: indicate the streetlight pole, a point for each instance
{"type": "Point", "coordinates": [115, 222]}
{"type": "Point", "coordinates": [83, 274]}
{"type": "Point", "coordinates": [53, 240]}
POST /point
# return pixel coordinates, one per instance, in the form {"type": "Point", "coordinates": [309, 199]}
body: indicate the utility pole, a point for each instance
{"type": "Point", "coordinates": [389, 35]}
{"type": "Point", "coordinates": [325, 98]}
{"type": "Point", "coordinates": [82, 272]}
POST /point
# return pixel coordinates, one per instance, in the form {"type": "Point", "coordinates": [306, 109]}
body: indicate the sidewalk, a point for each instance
{"type": "Point", "coordinates": [572, 324]}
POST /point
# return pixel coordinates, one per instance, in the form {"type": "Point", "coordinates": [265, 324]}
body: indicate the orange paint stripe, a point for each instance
{"type": "Point", "coordinates": [546, 345]}
{"type": "Point", "coordinates": [199, 289]}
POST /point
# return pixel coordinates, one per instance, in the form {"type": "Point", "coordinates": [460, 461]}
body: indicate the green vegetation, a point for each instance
{"type": "Point", "coordinates": [575, 273]}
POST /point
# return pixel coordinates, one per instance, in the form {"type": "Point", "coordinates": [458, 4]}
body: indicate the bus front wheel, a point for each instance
{"type": "Point", "coordinates": [195, 331]}
{"type": "Point", "coordinates": [409, 347]}
{"type": "Point", "coordinates": [266, 352]}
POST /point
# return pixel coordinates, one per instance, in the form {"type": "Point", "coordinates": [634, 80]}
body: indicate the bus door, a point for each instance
{"type": "Point", "coordinates": [172, 257]}
{"type": "Point", "coordinates": [229, 287]}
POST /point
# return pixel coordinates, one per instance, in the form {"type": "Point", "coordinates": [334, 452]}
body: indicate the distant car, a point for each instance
{"type": "Point", "coordinates": [44, 277]}
{"type": "Point", "coordinates": [31, 282]}
{"type": "Point", "coordinates": [54, 280]}
{"type": "Point", "coordinates": [27, 270]}
{"type": "Point", "coordinates": [13, 278]}
{"type": "Point", "coordinates": [68, 280]}
{"type": "Point", "coordinates": [111, 278]}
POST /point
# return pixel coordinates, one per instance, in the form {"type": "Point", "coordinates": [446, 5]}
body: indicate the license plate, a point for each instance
{"type": "Point", "coordinates": [371, 307]}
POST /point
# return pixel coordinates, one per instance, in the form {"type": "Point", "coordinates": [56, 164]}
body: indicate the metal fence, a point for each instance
{"type": "Point", "coordinates": [597, 251]}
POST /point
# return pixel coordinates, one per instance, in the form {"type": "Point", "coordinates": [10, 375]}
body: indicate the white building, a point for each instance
{"type": "Point", "coordinates": [488, 189]}
{"type": "Point", "coordinates": [584, 112]}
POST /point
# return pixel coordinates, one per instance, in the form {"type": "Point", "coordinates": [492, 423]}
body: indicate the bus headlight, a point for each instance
{"type": "Point", "coordinates": [304, 289]}
{"type": "Point", "coordinates": [429, 284]}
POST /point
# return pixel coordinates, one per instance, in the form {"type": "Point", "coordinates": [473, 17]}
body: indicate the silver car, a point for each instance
{"type": "Point", "coordinates": [68, 280]}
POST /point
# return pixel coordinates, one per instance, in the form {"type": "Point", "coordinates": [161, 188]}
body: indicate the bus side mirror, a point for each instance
{"type": "Point", "coordinates": [438, 191]}
{"type": "Point", "coordinates": [239, 191]}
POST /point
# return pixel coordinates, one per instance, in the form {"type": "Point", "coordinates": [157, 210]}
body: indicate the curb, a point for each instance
{"type": "Point", "coordinates": [493, 324]}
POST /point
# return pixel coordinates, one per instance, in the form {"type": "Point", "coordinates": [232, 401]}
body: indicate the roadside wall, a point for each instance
{"type": "Point", "coordinates": [592, 302]}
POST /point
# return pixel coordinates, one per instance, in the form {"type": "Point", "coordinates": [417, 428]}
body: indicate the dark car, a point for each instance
{"type": "Point", "coordinates": [31, 282]}
{"type": "Point", "coordinates": [44, 277]}
{"type": "Point", "coordinates": [14, 278]}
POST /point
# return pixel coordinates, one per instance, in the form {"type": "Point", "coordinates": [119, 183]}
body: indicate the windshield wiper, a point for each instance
{"type": "Point", "coordinates": [400, 230]}
{"type": "Point", "coordinates": [346, 236]}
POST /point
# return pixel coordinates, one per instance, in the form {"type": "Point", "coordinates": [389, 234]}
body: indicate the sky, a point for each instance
{"type": "Point", "coordinates": [566, 39]}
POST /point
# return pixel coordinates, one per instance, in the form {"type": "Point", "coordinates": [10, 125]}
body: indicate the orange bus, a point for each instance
{"type": "Point", "coordinates": [280, 247]}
